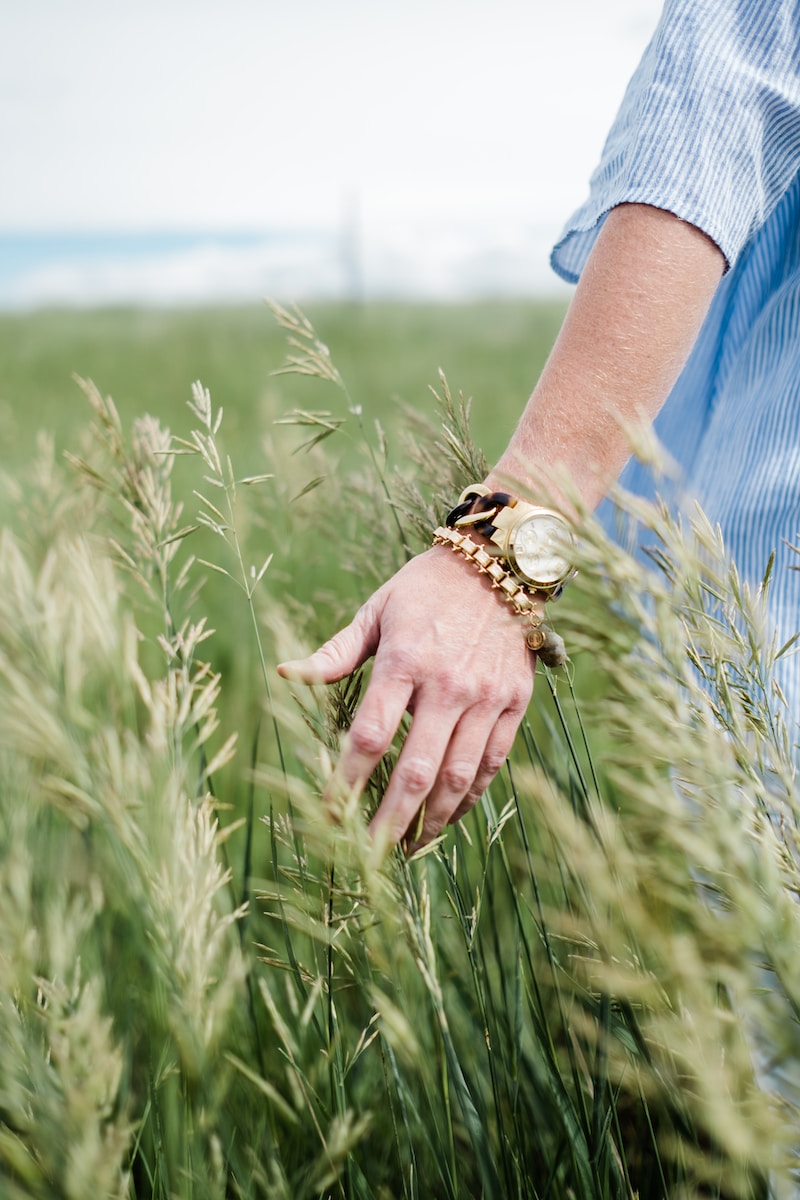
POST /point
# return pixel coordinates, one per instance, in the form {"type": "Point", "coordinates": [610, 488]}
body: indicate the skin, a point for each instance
{"type": "Point", "coordinates": [446, 649]}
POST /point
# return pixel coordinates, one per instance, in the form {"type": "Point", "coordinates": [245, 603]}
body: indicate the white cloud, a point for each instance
{"type": "Point", "coordinates": [190, 114]}
{"type": "Point", "coordinates": [441, 131]}
{"type": "Point", "coordinates": [419, 259]}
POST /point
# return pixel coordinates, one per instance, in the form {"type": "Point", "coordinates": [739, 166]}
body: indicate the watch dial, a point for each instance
{"type": "Point", "coordinates": [541, 546]}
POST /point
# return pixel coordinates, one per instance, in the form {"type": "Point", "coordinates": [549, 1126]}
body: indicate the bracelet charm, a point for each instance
{"type": "Point", "coordinates": [530, 607]}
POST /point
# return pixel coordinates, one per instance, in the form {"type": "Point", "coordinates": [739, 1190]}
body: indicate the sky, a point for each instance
{"type": "Point", "coordinates": [412, 132]}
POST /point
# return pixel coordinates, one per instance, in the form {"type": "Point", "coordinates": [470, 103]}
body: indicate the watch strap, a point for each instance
{"type": "Point", "coordinates": [476, 508]}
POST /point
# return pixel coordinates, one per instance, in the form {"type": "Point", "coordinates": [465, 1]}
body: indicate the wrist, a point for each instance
{"type": "Point", "coordinates": [533, 544]}
{"type": "Point", "coordinates": [519, 475]}
{"type": "Point", "coordinates": [527, 607]}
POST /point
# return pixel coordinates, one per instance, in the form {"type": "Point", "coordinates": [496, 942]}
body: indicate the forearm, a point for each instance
{"type": "Point", "coordinates": [630, 327]}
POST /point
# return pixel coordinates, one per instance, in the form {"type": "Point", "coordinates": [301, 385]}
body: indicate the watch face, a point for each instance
{"type": "Point", "coordinates": [542, 544]}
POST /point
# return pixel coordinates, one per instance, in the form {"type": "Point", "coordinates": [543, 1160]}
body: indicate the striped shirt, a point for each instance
{"type": "Point", "coordinates": [709, 129]}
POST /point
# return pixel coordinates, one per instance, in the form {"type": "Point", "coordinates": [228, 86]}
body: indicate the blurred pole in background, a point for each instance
{"type": "Point", "coordinates": [352, 246]}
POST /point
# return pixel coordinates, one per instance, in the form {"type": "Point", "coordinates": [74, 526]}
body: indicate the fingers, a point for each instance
{"type": "Point", "coordinates": [438, 778]}
{"type": "Point", "coordinates": [417, 770]}
{"type": "Point", "coordinates": [386, 700]}
{"type": "Point", "coordinates": [345, 651]}
{"type": "Point", "coordinates": [497, 750]}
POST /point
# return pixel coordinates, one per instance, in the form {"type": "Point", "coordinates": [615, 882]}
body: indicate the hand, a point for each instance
{"type": "Point", "coordinates": [451, 653]}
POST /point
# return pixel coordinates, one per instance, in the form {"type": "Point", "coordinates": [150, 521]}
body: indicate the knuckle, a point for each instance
{"type": "Point", "coordinates": [457, 685]}
{"type": "Point", "coordinates": [457, 777]}
{"type": "Point", "coordinates": [369, 737]}
{"type": "Point", "coordinates": [492, 762]}
{"type": "Point", "coordinates": [518, 699]}
{"type": "Point", "coordinates": [494, 698]}
{"type": "Point", "coordinates": [416, 775]}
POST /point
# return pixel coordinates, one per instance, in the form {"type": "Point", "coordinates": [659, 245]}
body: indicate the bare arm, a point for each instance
{"type": "Point", "coordinates": [633, 321]}
{"type": "Point", "coordinates": [446, 648]}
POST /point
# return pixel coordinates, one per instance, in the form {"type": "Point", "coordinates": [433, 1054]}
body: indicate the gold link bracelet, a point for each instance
{"type": "Point", "coordinates": [520, 600]}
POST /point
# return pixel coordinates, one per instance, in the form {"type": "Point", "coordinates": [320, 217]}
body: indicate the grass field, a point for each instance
{"type": "Point", "coordinates": [388, 355]}
{"type": "Point", "coordinates": [208, 991]}
{"type": "Point", "coordinates": [147, 361]}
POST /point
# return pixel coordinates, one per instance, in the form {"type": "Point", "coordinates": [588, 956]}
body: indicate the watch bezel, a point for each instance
{"type": "Point", "coordinates": [509, 549]}
{"type": "Point", "coordinates": [500, 524]}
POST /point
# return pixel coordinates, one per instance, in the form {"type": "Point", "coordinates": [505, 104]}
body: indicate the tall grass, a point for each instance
{"type": "Point", "coordinates": [587, 989]}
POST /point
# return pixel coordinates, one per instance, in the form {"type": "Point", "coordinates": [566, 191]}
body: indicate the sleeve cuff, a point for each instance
{"type": "Point", "coordinates": [709, 128]}
{"type": "Point", "coordinates": [568, 256]}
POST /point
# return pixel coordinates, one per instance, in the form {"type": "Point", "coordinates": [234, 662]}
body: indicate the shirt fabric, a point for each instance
{"type": "Point", "coordinates": [709, 129]}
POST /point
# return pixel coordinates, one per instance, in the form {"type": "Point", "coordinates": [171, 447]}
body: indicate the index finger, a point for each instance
{"type": "Point", "coordinates": [376, 722]}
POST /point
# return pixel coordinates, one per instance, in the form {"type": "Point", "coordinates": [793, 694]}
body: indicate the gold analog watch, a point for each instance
{"type": "Point", "coordinates": [536, 544]}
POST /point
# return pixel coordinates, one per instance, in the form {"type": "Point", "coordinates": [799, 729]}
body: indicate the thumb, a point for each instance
{"type": "Point", "coordinates": [345, 651]}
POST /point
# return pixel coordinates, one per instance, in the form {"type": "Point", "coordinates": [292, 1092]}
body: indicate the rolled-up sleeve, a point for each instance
{"type": "Point", "coordinates": [709, 127]}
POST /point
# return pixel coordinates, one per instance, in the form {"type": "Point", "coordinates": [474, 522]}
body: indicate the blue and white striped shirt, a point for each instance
{"type": "Point", "coordinates": [709, 129]}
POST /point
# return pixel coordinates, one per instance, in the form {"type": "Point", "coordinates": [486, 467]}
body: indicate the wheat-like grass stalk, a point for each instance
{"type": "Point", "coordinates": [577, 993]}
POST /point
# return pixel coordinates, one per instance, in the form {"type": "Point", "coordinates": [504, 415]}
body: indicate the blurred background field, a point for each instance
{"type": "Point", "coordinates": [147, 359]}
{"type": "Point", "coordinates": [388, 354]}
